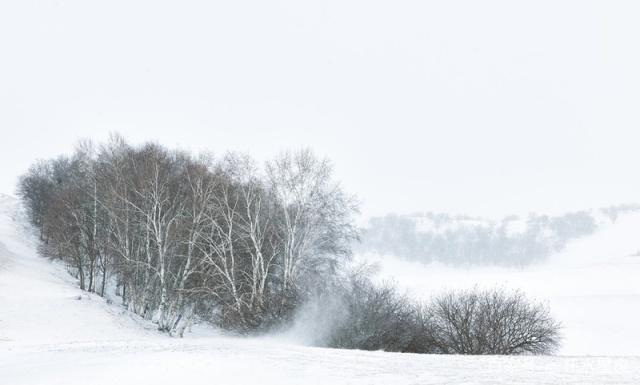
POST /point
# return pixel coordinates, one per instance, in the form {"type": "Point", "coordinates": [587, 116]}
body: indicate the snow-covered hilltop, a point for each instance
{"type": "Point", "coordinates": [53, 333]}
{"type": "Point", "coordinates": [463, 240]}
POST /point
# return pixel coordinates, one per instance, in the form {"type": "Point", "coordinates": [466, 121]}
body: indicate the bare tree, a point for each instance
{"type": "Point", "coordinates": [491, 322]}
{"type": "Point", "coordinates": [313, 215]}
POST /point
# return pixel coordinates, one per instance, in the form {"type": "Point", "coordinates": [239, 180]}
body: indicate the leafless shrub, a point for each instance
{"type": "Point", "coordinates": [376, 317]}
{"type": "Point", "coordinates": [491, 322]}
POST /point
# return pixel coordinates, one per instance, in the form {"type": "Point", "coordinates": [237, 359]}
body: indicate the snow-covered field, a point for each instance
{"type": "Point", "coordinates": [52, 333]}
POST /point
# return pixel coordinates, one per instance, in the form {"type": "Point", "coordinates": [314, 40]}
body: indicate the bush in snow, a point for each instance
{"type": "Point", "coordinates": [373, 317]}
{"type": "Point", "coordinates": [490, 322]}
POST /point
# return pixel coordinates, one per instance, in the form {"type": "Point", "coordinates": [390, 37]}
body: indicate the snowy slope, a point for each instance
{"type": "Point", "coordinates": [48, 336]}
{"type": "Point", "coordinates": [40, 302]}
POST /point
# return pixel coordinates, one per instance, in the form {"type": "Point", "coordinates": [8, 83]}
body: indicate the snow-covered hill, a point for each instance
{"type": "Point", "coordinates": [467, 241]}
{"type": "Point", "coordinates": [52, 333]}
{"type": "Point", "coordinates": [592, 286]}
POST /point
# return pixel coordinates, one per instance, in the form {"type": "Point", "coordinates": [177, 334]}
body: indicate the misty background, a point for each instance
{"type": "Point", "coordinates": [457, 240]}
{"type": "Point", "coordinates": [492, 148]}
{"type": "Point", "coordinates": [484, 109]}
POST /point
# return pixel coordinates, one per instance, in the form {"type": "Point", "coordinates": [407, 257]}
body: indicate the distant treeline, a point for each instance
{"type": "Point", "coordinates": [179, 235]}
{"type": "Point", "coordinates": [461, 240]}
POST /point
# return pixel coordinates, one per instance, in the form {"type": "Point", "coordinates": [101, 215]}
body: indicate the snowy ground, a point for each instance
{"type": "Point", "coordinates": [51, 333]}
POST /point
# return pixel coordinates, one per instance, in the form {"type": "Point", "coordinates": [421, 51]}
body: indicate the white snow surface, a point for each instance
{"type": "Point", "coordinates": [52, 333]}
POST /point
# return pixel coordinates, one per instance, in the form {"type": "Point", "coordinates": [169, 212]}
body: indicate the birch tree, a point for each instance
{"type": "Point", "coordinates": [314, 220]}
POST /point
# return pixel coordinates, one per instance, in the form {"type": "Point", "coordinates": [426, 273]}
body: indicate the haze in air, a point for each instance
{"type": "Point", "coordinates": [346, 192]}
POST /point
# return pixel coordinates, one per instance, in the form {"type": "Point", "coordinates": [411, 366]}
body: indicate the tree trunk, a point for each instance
{"type": "Point", "coordinates": [104, 280]}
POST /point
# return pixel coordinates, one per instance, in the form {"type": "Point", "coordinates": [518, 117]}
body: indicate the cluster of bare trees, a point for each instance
{"type": "Point", "coordinates": [378, 317]}
{"type": "Point", "coordinates": [178, 236]}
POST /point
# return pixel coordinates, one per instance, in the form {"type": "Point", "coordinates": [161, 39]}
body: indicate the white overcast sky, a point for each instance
{"type": "Point", "coordinates": [479, 107]}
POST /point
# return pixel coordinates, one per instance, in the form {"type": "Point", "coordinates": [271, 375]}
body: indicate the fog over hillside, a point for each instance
{"type": "Point", "coordinates": [465, 240]}
{"type": "Point", "coordinates": [363, 192]}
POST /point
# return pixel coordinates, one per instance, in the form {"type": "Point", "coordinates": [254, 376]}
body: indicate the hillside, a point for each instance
{"type": "Point", "coordinates": [459, 240]}
{"type": "Point", "coordinates": [52, 333]}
